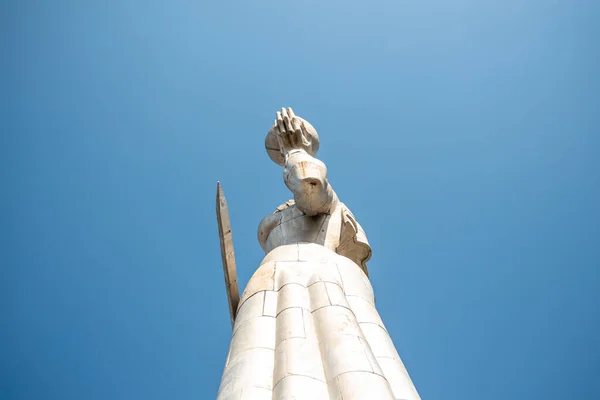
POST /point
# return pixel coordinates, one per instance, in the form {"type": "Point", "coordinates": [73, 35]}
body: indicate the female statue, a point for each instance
{"type": "Point", "coordinates": [306, 325]}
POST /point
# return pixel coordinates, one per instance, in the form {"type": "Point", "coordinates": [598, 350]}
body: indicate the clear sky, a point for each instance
{"type": "Point", "coordinates": [462, 134]}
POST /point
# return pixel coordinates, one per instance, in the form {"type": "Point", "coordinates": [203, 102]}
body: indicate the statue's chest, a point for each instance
{"type": "Point", "coordinates": [295, 227]}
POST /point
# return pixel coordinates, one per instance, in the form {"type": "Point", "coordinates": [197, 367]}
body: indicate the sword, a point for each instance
{"type": "Point", "coordinates": [231, 284]}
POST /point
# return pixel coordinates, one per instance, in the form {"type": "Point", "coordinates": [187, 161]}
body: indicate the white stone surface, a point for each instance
{"type": "Point", "coordinates": [379, 339]}
{"type": "Point", "coordinates": [298, 356]}
{"type": "Point", "coordinates": [251, 307]}
{"type": "Point", "coordinates": [258, 332]}
{"type": "Point", "coordinates": [250, 393]}
{"type": "Point", "coordinates": [282, 253]}
{"type": "Point", "coordinates": [355, 284]}
{"type": "Point", "coordinates": [251, 368]}
{"type": "Point", "coordinates": [336, 295]}
{"type": "Point", "coordinates": [364, 310]}
{"type": "Point", "coordinates": [263, 279]}
{"type": "Point", "coordinates": [318, 296]}
{"type": "Point", "coordinates": [364, 386]}
{"type": "Point", "coordinates": [307, 326]}
{"type": "Point", "coordinates": [293, 295]}
{"type": "Point", "coordinates": [298, 387]}
{"type": "Point", "coordinates": [270, 306]}
{"type": "Point", "coordinates": [396, 374]}
{"type": "Point", "coordinates": [290, 324]}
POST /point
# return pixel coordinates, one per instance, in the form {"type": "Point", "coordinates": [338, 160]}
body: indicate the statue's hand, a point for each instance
{"type": "Point", "coordinates": [291, 133]}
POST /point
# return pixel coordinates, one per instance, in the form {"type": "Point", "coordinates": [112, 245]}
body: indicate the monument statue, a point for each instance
{"type": "Point", "coordinates": [306, 326]}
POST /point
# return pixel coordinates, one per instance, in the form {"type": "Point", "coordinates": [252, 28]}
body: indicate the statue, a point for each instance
{"type": "Point", "coordinates": [306, 326]}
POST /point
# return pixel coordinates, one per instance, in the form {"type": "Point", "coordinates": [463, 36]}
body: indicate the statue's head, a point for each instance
{"type": "Point", "coordinates": [310, 145]}
{"type": "Point", "coordinates": [306, 177]}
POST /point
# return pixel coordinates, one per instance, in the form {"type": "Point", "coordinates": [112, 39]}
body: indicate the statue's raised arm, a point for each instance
{"type": "Point", "coordinates": [292, 142]}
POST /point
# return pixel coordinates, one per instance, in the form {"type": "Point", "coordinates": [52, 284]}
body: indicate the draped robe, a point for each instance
{"type": "Point", "coordinates": [306, 325]}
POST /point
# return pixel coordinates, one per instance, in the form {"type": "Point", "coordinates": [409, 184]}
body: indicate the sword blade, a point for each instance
{"type": "Point", "coordinates": [227, 254]}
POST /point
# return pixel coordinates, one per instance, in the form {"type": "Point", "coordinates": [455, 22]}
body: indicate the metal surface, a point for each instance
{"type": "Point", "coordinates": [227, 254]}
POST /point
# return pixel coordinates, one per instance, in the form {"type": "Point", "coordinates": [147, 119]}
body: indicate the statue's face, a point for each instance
{"type": "Point", "coordinates": [306, 177]}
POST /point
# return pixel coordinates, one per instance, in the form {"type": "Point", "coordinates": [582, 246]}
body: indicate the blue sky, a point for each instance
{"type": "Point", "coordinates": [462, 134]}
